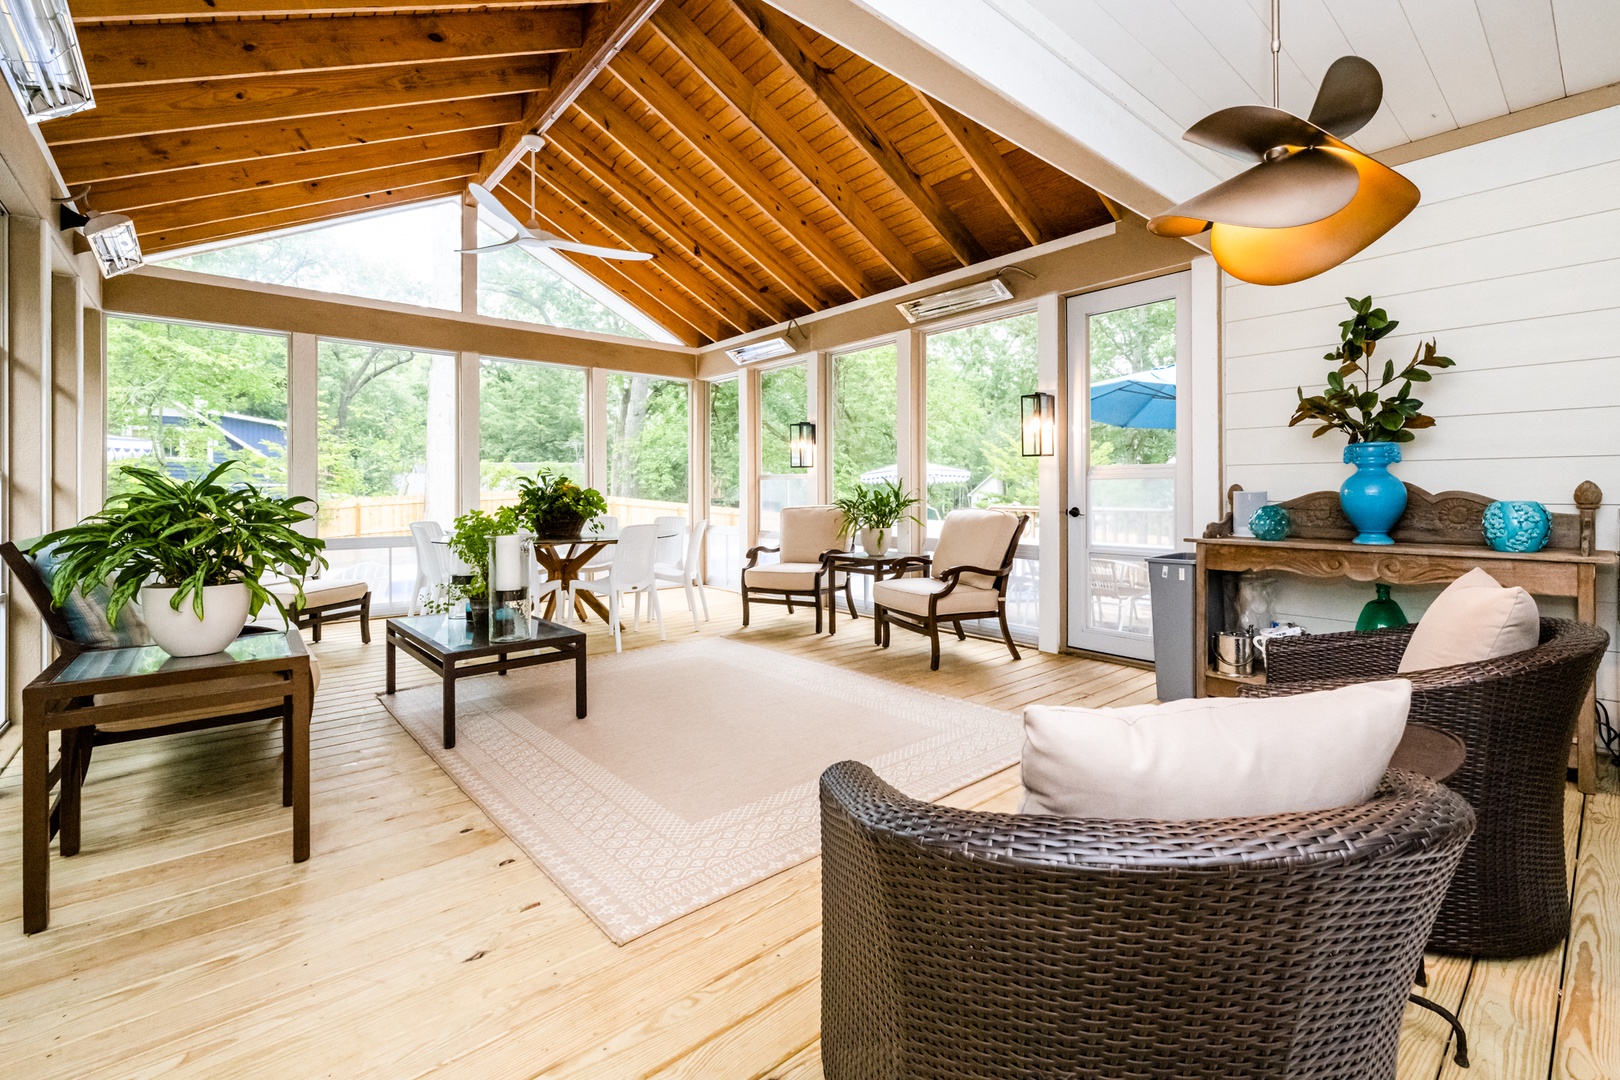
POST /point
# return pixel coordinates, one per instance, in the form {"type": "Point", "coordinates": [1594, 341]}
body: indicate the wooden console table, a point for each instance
{"type": "Point", "coordinates": [1420, 556]}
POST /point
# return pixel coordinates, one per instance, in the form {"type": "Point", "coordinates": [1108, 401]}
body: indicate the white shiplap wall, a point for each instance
{"type": "Point", "coordinates": [1512, 262]}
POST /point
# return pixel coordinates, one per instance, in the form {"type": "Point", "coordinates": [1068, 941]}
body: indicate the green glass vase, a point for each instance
{"type": "Point", "coordinates": [1381, 613]}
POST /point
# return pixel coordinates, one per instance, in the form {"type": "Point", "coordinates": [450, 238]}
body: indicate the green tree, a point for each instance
{"type": "Point", "coordinates": [373, 418]}
{"type": "Point", "coordinates": [863, 414]}
{"type": "Point", "coordinates": [648, 438]}
{"type": "Point", "coordinates": [725, 457]}
{"type": "Point", "coordinates": [530, 415]}
{"type": "Point", "coordinates": [784, 401]}
{"type": "Point", "coordinates": [1125, 342]}
{"type": "Point", "coordinates": [975, 377]}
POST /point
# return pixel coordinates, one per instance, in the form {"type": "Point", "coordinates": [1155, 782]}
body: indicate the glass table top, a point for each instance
{"type": "Point", "coordinates": [150, 659]}
{"type": "Point", "coordinates": [448, 635]}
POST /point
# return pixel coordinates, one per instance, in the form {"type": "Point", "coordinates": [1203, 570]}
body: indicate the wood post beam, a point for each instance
{"type": "Point", "coordinates": [144, 53]}
{"type": "Point", "coordinates": [609, 26]}
{"type": "Point", "coordinates": [127, 111]}
{"type": "Point", "coordinates": [241, 177]}
{"type": "Point", "coordinates": [632, 138]}
{"type": "Point", "coordinates": [210, 232]}
{"type": "Point", "coordinates": [809, 64]}
{"type": "Point", "coordinates": [554, 173]}
{"type": "Point", "coordinates": [556, 213]}
{"type": "Point", "coordinates": [719, 72]}
{"type": "Point", "coordinates": [92, 11]}
{"type": "Point", "coordinates": [220, 208]}
{"type": "Point", "coordinates": [769, 298]}
{"type": "Point", "coordinates": [262, 143]}
{"type": "Point", "coordinates": [974, 142]}
{"type": "Point", "coordinates": [689, 124]}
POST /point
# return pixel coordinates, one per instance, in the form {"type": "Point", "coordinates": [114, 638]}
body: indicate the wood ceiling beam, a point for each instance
{"type": "Point", "coordinates": [189, 184]}
{"type": "Point", "coordinates": [634, 140]}
{"type": "Point", "coordinates": [974, 142]}
{"type": "Point", "coordinates": [719, 72]}
{"type": "Point", "coordinates": [146, 53]}
{"type": "Point", "coordinates": [151, 155]}
{"type": "Point", "coordinates": [790, 43]}
{"type": "Point", "coordinates": [692, 126]}
{"type": "Point", "coordinates": [292, 217]}
{"type": "Point", "coordinates": [155, 110]}
{"type": "Point", "coordinates": [634, 281]}
{"type": "Point", "coordinates": [609, 27]}
{"type": "Point", "coordinates": [93, 11]}
{"type": "Point", "coordinates": [219, 208]}
{"type": "Point", "coordinates": [769, 298]}
{"type": "Point", "coordinates": [555, 174]}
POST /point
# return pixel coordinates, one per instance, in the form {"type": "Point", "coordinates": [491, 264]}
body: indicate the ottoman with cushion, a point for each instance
{"type": "Point", "coordinates": [327, 599]}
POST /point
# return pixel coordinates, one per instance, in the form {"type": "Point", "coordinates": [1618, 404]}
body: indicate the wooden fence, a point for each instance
{"type": "Point", "coordinates": [391, 515]}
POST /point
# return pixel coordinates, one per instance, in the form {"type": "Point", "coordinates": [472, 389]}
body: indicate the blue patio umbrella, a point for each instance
{"type": "Point", "coordinates": [1144, 399]}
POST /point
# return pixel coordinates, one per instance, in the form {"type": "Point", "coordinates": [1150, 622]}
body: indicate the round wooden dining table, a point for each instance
{"type": "Point", "coordinates": [564, 558]}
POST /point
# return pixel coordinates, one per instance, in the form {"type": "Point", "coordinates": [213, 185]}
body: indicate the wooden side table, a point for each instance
{"type": "Point", "coordinates": [62, 698]}
{"type": "Point", "coordinates": [876, 567]}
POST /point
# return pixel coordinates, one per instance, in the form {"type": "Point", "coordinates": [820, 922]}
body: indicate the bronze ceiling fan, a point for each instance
{"type": "Point", "coordinates": [1310, 202]}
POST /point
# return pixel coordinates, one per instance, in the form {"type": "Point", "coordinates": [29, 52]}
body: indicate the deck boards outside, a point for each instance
{"type": "Point", "coordinates": [419, 941]}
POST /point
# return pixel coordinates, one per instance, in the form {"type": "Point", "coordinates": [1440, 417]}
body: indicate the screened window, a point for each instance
{"type": "Point", "coordinates": [514, 284]}
{"type": "Point", "coordinates": [405, 256]}
{"type": "Point", "coordinates": [186, 398]}
{"type": "Point", "coordinates": [725, 484]}
{"type": "Point", "coordinates": [974, 377]}
{"type": "Point", "coordinates": [530, 417]}
{"type": "Point", "coordinates": [648, 447]}
{"type": "Point", "coordinates": [784, 401]}
{"type": "Point", "coordinates": [863, 417]}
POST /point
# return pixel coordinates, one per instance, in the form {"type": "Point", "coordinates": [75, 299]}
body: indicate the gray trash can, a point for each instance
{"type": "Point", "coordinates": [1170, 578]}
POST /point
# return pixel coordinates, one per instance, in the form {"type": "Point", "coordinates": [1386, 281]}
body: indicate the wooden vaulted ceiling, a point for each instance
{"type": "Point", "coordinates": [769, 171]}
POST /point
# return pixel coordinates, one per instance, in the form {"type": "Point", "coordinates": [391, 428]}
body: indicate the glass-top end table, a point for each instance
{"type": "Point", "coordinates": [876, 567]}
{"type": "Point", "coordinates": [249, 648]}
{"type": "Point", "coordinates": [457, 648]}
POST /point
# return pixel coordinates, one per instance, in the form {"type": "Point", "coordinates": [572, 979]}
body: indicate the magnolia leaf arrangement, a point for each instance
{"type": "Point", "coordinates": [877, 506]}
{"type": "Point", "coordinates": [1364, 411]}
{"type": "Point", "coordinates": [184, 535]}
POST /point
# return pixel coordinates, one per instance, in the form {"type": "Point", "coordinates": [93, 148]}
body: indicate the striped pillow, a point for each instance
{"type": "Point", "coordinates": [87, 615]}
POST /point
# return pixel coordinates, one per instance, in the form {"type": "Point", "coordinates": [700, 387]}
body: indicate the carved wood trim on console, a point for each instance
{"type": "Point", "coordinates": [1453, 518]}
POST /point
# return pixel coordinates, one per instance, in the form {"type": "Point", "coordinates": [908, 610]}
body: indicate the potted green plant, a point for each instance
{"type": "Point", "coordinates": [552, 505]}
{"type": "Point", "coordinates": [1376, 420]}
{"type": "Point", "coordinates": [173, 541]}
{"type": "Point", "coordinates": [469, 539]}
{"type": "Point", "coordinates": [874, 509]}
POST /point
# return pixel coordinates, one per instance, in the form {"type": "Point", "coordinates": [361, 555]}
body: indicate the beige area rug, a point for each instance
{"type": "Point", "coordinates": [695, 773]}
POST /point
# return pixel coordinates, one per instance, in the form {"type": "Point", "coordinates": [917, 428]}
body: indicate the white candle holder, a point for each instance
{"type": "Point", "coordinates": [508, 588]}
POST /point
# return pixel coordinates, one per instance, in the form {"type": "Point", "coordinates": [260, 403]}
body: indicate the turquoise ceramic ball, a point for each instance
{"type": "Point", "coordinates": [1271, 523]}
{"type": "Point", "coordinates": [1517, 526]}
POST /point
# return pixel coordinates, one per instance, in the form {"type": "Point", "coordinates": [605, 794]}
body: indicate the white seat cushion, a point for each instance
{"type": "Point", "coordinates": [911, 595]}
{"type": "Point", "coordinates": [783, 575]}
{"type": "Point", "coordinates": [320, 593]}
{"type": "Point", "coordinates": [974, 538]}
{"type": "Point", "coordinates": [1474, 619]}
{"type": "Point", "coordinates": [1213, 757]}
{"type": "Point", "coordinates": [809, 531]}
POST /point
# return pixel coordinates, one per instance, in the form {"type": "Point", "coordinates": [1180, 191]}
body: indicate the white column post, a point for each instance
{"type": "Point", "coordinates": [67, 358]}
{"type": "Point", "coordinates": [910, 435]}
{"type": "Point", "coordinates": [469, 483]}
{"type": "Point", "coordinates": [303, 419]}
{"type": "Point", "coordinates": [469, 263]}
{"type": "Point", "coordinates": [596, 469]}
{"type": "Point", "coordinates": [443, 441]}
{"type": "Point", "coordinates": [93, 413]}
{"type": "Point", "coordinates": [697, 476]}
{"type": "Point", "coordinates": [1052, 378]}
{"type": "Point", "coordinates": [748, 447]}
{"type": "Point", "coordinates": [28, 418]}
{"type": "Point", "coordinates": [816, 398]}
{"type": "Point", "coordinates": [1206, 388]}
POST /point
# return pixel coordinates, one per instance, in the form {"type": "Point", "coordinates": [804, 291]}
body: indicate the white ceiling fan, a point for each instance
{"type": "Point", "coordinates": [531, 237]}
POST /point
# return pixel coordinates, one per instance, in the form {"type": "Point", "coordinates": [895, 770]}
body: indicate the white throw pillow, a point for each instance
{"type": "Point", "coordinates": [1213, 757]}
{"type": "Point", "coordinates": [1474, 619]}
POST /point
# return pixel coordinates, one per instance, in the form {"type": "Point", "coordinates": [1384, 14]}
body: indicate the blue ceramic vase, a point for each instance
{"type": "Point", "coordinates": [1517, 526]}
{"type": "Point", "coordinates": [1371, 498]}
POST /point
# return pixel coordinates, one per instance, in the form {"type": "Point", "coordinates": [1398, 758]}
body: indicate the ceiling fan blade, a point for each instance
{"type": "Point", "coordinates": [502, 246]}
{"type": "Point", "coordinates": [1303, 187]}
{"type": "Point", "coordinates": [548, 240]}
{"type": "Point", "coordinates": [487, 199]}
{"type": "Point", "coordinates": [1246, 132]}
{"type": "Point", "coordinates": [1351, 92]}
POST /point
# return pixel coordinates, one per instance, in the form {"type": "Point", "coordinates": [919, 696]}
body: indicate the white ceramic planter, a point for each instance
{"type": "Point", "coordinates": [181, 633]}
{"type": "Point", "coordinates": [874, 541]}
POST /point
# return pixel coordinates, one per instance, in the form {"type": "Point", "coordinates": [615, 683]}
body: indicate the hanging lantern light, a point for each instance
{"type": "Point", "coordinates": [1039, 414]}
{"type": "Point", "coordinates": [802, 445]}
{"type": "Point", "coordinates": [1312, 201]}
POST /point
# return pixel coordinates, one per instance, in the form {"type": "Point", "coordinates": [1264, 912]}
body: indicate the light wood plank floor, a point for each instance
{"type": "Point", "coordinates": [419, 940]}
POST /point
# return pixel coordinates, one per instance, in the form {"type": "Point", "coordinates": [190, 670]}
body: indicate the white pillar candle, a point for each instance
{"type": "Point", "coordinates": [508, 563]}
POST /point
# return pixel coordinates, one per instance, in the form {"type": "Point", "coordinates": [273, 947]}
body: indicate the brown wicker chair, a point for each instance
{"type": "Point", "coordinates": [1517, 715]}
{"type": "Point", "coordinates": [958, 943]}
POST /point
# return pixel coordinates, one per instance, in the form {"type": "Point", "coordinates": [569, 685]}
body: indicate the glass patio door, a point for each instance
{"type": "Point", "coordinates": [1127, 457]}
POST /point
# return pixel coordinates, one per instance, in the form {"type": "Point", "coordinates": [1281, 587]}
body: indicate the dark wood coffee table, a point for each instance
{"type": "Point", "coordinates": [457, 648]}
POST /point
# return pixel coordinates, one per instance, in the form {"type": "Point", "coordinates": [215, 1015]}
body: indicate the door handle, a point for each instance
{"type": "Point", "coordinates": [1074, 512]}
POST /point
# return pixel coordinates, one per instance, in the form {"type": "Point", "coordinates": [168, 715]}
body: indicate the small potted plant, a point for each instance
{"type": "Point", "coordinates": [1376, 420]}
{"type": "Point", "coordinates": [873, 510]}
{"type": "Point", "coordinates": [469, 539]}
{"type": "Point", "coordinates": [551, 505]}
{"type": "Point", "coordinates": [193, 550]}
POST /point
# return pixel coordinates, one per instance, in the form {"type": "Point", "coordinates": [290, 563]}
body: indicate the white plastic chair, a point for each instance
{"type": "Point", "coordinates": [432, 564]}
{"type": "Point", "coordinates": [630, 574]}
{"type": "Point", "coordinates": [540, 589]}
{"type": "Point", "coordinates": [684, 569]}
{"type": "Point", "coordinates": [599, 565]}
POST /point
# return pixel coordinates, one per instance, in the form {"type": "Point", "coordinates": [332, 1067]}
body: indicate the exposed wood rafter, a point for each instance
{"type": "Point", "coordinates": [92, 11]}
{"type": "Point", "coordinates": [795, 50]}
{"type": "Point", "coordinates": [991, 167]}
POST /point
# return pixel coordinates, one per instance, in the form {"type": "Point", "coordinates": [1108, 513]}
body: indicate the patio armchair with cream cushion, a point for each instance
{"type": "Point", "coordinates": [808, 534]}
{"type": "Point", "coordinates": [965, 578]}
